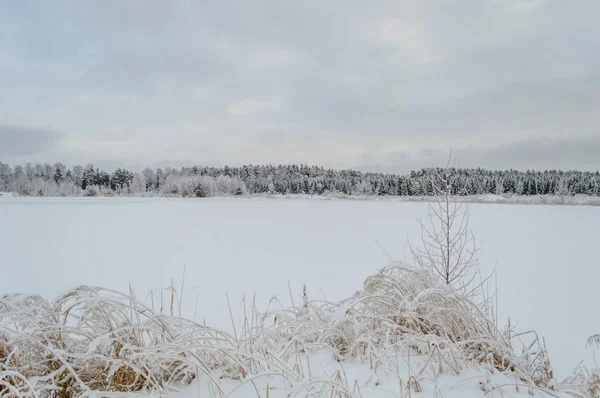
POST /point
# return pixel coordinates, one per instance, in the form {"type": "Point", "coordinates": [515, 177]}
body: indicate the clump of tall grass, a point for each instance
{"type": "Point", "coordinates": [97, 339]}
{"type": "Point", "coordinates": [586, 381]}
{"type": "Point", "coordinates": [94, 339]}
{"type": "Point", "coordinates": [404, 311]}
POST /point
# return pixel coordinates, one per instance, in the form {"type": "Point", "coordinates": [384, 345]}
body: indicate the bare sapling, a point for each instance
{"type": "Point", "coordinates": [447, 245]}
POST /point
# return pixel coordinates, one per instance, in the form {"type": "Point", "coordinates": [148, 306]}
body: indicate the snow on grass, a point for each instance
{"type": "Point", "coordinates": [92, 339]}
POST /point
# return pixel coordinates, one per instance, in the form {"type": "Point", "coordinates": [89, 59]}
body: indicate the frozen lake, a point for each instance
{"type": "Point", "coordinates": [547, 264]}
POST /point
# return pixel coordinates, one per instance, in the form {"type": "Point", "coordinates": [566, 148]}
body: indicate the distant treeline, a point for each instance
{"type": "Point", "coordinates": [201, 181]}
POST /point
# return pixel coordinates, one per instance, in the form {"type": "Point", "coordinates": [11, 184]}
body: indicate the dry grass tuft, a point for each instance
{"type": "Point", "coordinates": [406, 311]}
{"type": "Point", "coordinates": [97, 339]}
{"type": "Point", "coordinates": [94, 339]}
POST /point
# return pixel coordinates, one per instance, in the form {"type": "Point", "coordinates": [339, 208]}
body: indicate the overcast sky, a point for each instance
{"type": "Point", "coordinates": [375, 85]}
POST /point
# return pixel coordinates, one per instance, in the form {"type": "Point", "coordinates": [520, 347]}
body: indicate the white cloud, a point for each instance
{"type": "Point", "coordinates": [274, 57]}
{"type": "Point", "coordinates": [411, 41]}
{"type": "Point", "coordinates": [523, 6]}
{"type": "Point", "coordinates": [248, 107]}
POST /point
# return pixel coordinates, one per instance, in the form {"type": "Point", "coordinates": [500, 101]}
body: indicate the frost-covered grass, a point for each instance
{"type": "Point", "coordinates": [92, 339]}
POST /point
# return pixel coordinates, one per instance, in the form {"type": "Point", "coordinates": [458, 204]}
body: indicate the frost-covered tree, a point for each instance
{"type": "Point", "coordinates": [363, 188]}
{"type": "Point", "coordinates": [5, 177]}
{"type": "Point", "coordinates": [60, 171]}
{"type": "Point", "coordinates": [160, 179]}
{"type": "Point", "coordinates": [48, 171]}
{"type": "Point", "coordinates": [447, 246]}
{"type": "Point", "coordinates": [29, 171]}
{"type": "Point", "coordinates": [138, 184]}
{"type": "Point", "coordinates": [38, 170]}
{"type": "Point", "coordinates": [18, 172]}
{"type": "Point", "coordinates": [499, 187]}
{"type": "Point", "coordinates": [302, 179]}
{"type": "Point", "coordinates": [88, 176]}
{"type": "Point", "coordinates": [563, 187]}
{"type": "Point", "coordinates": [150, 177]}
{"type": "Point", "coordinates": [78, 175]}
{"type": "Point", "coordinates": [101, 178]}
{"type": "Point", "coordinates": [120, 179]}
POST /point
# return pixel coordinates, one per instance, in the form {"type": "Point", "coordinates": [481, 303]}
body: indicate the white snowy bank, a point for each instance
{"type": "Point", "coordinates": [576, 200]}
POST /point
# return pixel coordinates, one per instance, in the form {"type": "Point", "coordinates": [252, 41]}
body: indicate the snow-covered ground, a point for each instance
{"type": "Point", "coordinates": [576, 200]}
{"type": "Point", "coordinates": [545, 256]}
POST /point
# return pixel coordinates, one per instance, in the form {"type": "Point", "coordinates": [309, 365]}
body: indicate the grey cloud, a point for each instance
{"type": "Point", "coordinates": [553, 105]}
{"type": "Point", "coordinates": [19, 140]}
{"type": "Point", "coordinates": [532, 153]}
{"type": "Point", "coordinates": [468, 71]}
{"type": "Point", "coordinates": [543, 153]}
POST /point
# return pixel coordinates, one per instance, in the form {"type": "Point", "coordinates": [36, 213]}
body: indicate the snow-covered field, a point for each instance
{"type": "Point", "coordinates": [545, 256]}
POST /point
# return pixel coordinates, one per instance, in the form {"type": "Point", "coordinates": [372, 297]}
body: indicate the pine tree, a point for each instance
{"type": "Point", "coordinates": [120, 179]}
{"type": "Point", "coordinates": [160, 179]}
{"type": "Point", "coordinates": [404, 188]}
{"type": "Point", "coordinates": [58, 177]}
{"type": "Point", "coordinates": [526, 189]}
{"type": "Point", "coordinates": [88, 176]}
{"type": "Point", "coordinates": [533, 187]}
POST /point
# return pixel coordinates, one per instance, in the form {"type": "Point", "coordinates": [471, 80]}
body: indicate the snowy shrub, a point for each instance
{"type": "Point", "coordinates": [363, 188]}
{"type": "Point", "coordinates": [22, 187]}
{"type": "Point", "coordinates": [202, 186]}
{"type": "Point", "coordinates": [91, 190]}
{"type": "Point", "coordinates": [42, 187]}
{"type": "Point", "coordinates": [335, 195]}
{"type": "Point", "coordinates": [196, 187]}
{"type": "Point", "coordinates": [226, 185]}
{"type": "Point", "coordinates": [67, 188]}
{"type": "Point", "coordinates": [223, 184]}
{"type": "Point", "coordinates": [170, 186]}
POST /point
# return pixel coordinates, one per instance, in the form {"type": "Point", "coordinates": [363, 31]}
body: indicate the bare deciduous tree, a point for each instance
{"type": "Point", "coordinates": [447, 244]}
